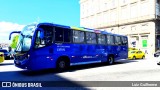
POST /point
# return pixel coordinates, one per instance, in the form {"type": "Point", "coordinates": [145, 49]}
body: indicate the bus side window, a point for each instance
{"type": "Point", "coordinates": [67, 35]}
{"type": "Point", "coordinates": [101, 39]}
{"type": "Point", "coordinates": [75, 36]}
{"type": "Point", "coordinates": [48, 37]}
{"type": "Point", "coordinates": [110, 40]}
{"type": "Point", "coordinates": [78, 36]}
{"type": "Point", "coordinates": [38, 40]}
{"type": "Point", "coordinates": [91, 38]}
{"type": "Point", "coordinates": [81, 35]}
{"type": "Point", "coordinates": [124, 41]}
{"type": "Point", "coordinates": [62, 35]}
{"type": "Point", "coordinates": [88, 37]}
{"type": "Point", "coordinates": [118, 40]}
{"type": "Point", "coordinates": [58, 34]}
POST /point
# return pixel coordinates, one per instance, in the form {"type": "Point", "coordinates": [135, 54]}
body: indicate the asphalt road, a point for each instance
{"type": "Point", "coordinates": [126, 70]}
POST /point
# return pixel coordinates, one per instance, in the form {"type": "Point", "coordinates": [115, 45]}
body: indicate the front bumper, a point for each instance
{"type": "Point", "coordinates": [21, 64]}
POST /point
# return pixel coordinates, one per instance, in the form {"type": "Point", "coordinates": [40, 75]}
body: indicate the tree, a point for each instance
{"type": "Point", "coordinates": [14, 41]}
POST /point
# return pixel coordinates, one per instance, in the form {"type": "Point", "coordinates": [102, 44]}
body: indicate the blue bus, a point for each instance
{"type": "Point", "coordinates": [48, 45]}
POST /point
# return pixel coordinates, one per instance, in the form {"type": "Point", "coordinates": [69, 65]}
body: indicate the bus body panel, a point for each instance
{"type": "Point", "coordinates": [78, 53]}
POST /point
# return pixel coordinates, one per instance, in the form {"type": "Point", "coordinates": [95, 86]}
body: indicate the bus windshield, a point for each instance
{"type": "Point", "coordinates": [25, 38]}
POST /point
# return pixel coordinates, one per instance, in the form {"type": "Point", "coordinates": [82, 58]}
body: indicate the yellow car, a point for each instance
{"type": "Point", "coordinates": [130, 49]}
{"type": "Point", "coordinates": [1, 57]}
{"type": "Point", "coordinates": [136, 54]}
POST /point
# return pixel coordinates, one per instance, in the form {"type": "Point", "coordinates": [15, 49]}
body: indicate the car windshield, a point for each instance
{"type": "Point", "coordinates": [25, 38]}
{"type": "Point", "coordinates": [132, 51]}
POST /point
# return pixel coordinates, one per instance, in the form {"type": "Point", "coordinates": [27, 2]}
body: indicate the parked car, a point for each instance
{"type": "Point", "coordinates": [158, 60]}
{"type": "Point", "coordinates": [7, 55]}
{"type": "Point", "coordinates": [157, 53]}
{"type": "Point", "coordinates": [130, 49]}
{"type": "Point", "coordinates": [136, 54]}
{"type": "Point", "coordinates": [1, 57]}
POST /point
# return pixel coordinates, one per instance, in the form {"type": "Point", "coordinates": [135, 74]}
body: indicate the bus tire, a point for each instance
{"type": "Point", "coordinates": [110, 60]}
{"type": "Point", "coordinates": [62, 64]}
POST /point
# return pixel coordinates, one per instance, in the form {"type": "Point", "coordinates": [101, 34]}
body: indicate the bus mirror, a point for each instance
{"type": "Point", "coordinates": [12, 33]}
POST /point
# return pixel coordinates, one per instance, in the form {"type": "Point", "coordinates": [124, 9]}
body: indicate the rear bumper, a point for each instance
{"type": "Point", "coordinates": [129, 57]}
{"type": "Point", "coordinates": [1, 59]}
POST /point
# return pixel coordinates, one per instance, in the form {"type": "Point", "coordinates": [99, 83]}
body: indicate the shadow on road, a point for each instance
{"type": "Point", "coordinates": [3, 64]}
{"type": "Point", "coordinates": [74, 68]}
{"type": "Point", "coordinates": [71, 69]}
{"type": "Point", "coordinates": [38, 72]}
{"type": "Point", "coordinates": [88, 66]}
{"type": "Point", "coordinates": [46, 77]}
{"type": "Point", "coordinates": [53, 75]}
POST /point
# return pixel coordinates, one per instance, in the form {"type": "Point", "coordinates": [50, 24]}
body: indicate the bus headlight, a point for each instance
{"type": "Point", "coordinates": [28, 55]}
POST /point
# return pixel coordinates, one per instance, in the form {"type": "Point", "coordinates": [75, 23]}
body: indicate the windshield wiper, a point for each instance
{"type": "Point", "coordinates": [28, 36]}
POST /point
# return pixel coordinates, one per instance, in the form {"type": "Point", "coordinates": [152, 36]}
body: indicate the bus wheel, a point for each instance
{"type": "Point", "coordinates": [62, 65]}
{"type": "Point", "coordinates": [110, 60]}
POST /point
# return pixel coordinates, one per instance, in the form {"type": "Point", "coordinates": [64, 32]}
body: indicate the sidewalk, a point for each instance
{"type": "Point", "coordinates": [149, 56]}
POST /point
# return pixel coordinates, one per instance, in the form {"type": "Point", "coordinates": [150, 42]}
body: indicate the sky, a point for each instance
{"type": "Point", "coordinates": [15, 14]}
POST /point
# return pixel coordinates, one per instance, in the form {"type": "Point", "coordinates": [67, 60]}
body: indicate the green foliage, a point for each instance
{"type": "Point", "coordinates": [14, 41]}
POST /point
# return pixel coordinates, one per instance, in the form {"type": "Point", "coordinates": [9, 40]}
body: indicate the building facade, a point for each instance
{"type": "Point", "coordinates": [138, 19]}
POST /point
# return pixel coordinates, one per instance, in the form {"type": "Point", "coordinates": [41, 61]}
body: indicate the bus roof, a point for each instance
{"type": "Point", "coordinates": [52, 24]}
{"type": "Point", "coordinates": [80, 28]}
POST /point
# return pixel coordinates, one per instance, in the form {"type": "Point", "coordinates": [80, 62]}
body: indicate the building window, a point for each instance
{"type": "Point", "coordinates": [123, 30]}
{"type": "Point", "coordinates": [123, 2]}
{"type": "Point", "coordinates": [112, 30]}
{"type": "Point", "coordinates": [158, 41]}
{"type": "Point", "coordinates": [113, 4]}
{"type": "Point", "coordinates": [144, 5]}
{"type": "Point", "coordinates": [133, 28]}
{"type": "Point", "coordinates": [106, 16]}
{"type": "Point", "coordinates": [103, 5]}
{"type": "Point", "coordinates": [133, 10]}
{"type": "Point", "coordinates": [124, 12]}
{"type": "Point", "coordinates": [144, 27]}
{"type": "Point", "coordinates": [113, 15]}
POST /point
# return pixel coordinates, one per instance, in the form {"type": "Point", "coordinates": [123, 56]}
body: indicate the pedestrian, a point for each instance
{"type": "Point", "coordinates": [146, 52]}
